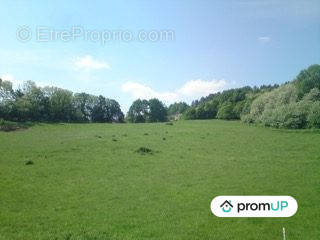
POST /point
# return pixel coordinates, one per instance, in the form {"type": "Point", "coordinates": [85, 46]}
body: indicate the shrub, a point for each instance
{"type": "Point", "coordinates": [313, 117]}
{"type": "Point", "coordinates": [308, 79]}
{"type": "Point", "coordinates": [144, 150]}
{"type": "Point", "coordinates": [278, 108]}
{"type": "Point", "coordinates": [29, 162]}
{"type": "Point", "coordinates": [8, 126]}
{"type": "Point", "coordinates": [226, 111]}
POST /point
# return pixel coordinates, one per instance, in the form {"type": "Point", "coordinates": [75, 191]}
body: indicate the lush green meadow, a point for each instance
{"type": "Point", "coordinates": [88, 182]}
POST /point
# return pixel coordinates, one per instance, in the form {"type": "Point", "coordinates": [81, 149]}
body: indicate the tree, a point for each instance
{"type": "Point", "coordinates": [6, 97]}
{"type": "Point", "coordinates": [226, 111]}
{"type": "Point", "coordinates": [308, 79]}
{"type": "Point", "coordinates": [114, 111]}
{"type": "Point", "coordinates": [107, 110]}
{"type": "Point", "coordinates": [138, 111]}
{"type": "Point", "coordinates": [314, 115]}
{"type": "Point", "coordinates": [100, 110]}
{"type": "Point", "coordinates": [157, 111]}
{"type": "Point", "coordinates": [177, 108]}
{"type": "Point", "coordinates": [6, 91]}
{"type": "Point", "coordinates": [147, 111]}
{"type": "Point", "coordinates": [60, 104]}
{"type": "Point", "coordinates": [190, 113]}
{"type": "Point", "coordinates": [37, 102]}
{"type": "Point", "coordinates": [83, 104]}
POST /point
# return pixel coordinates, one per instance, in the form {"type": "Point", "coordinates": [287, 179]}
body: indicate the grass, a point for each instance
{"type": "Point", "coordinates": [84, 185]}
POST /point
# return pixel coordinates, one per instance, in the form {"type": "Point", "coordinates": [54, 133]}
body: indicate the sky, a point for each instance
{"type": "Point", "coordinates": [174, 50]}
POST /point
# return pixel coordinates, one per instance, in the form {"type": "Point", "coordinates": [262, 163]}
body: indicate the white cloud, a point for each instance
{"type": "Point", "coordinates": [189, 91]}
{"type": "Point", "coordinates": [138, 90]}
{"type": "Point", "coordinates": [264, 39]}
{"type": "Point", "coordinates": [88, 63]}
{"type": "Point", "coordinates": [199, 88]}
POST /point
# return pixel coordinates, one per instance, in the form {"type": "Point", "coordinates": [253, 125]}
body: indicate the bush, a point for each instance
{"type": "Point", "coordinates": [277, 108]}
{"type": "Point", "coordinates": [8, 126]}
{"type": "Point", "coordinates": [308, 79]}
{"type": "Point", "coordinates": [313, 117]}
{"type": "Point", "coordinates": [226, 111]}
{"type": "Point", "coordinates": [144, 150]}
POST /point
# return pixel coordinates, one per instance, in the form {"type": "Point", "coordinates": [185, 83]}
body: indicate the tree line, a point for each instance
{"type": "Point", "coordinates": [295, 104]}
{"type": "Point", "coordinates": [52, 104]}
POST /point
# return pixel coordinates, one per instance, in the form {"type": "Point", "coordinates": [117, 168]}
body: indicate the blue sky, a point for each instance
{"type": "Point", "coordinates": [216, 45]}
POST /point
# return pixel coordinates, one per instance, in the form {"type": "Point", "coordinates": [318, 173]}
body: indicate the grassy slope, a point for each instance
{"type": "Point", "coordinates": [83, 186]}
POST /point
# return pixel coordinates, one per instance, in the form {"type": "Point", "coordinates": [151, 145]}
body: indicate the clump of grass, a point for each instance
{"type": "Point", "coordinates": [124, 135]}
{"type": "Point", "coordinates": [146, 134]}
{"type": "Point", "coordinates": [114, 140]}
{"type": "Point", "coordinates": [29, 162]}
{"type": "Point", "coordinates": [144, 150]}
{"type": "Point", "coordinates": [164, 139]}
{"type": "Point", "coordinates": [169, 123]}
{"type": "Point", "coordinates": [98, 136]}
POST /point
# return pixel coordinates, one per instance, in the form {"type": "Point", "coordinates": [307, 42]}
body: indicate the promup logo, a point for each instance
{"type": "Point", "coordinates": [254, 206]}
{"type": "Point", "coordinates": [226, 206]}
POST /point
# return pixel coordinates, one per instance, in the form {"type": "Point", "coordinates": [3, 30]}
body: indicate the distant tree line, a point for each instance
{"type": "Point", "coordinates": [294, 104]}
{"type": "Point", "coordinates": [229, 104]}
{"type": "Point", "coordinates": [52, 104]}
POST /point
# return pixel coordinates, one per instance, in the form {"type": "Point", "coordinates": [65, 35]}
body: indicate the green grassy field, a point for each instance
{"type": "Point", "coordinates": [88, 182]}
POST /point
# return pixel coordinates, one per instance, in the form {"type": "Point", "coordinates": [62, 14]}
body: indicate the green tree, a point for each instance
{"type": "Point", "coordinates": [6, 97]}
{"type": "Point", "coordinates": [177, 108]}
{"type": "Point", "coordinates": [114, 111]}
{"type": "Point", "coordinates": [36, 102]}
{"type": "Point", "coordinates": [226, 111]}
{"type": "Point", "coordinates": [60, 104]}
{"type": "Point", "coordinates": [84, 104]}
{"type": "Point", "coordinates": [157, 111]}
{"type": "Point", "coordinates": [313, 117]}
{"type": "Point", "coordinates": [147, 111]}
{"type": "Point", "coordinates": [138, 111]}
{"type": "Point", "coordinates": [308, 79]}
{"type": "Point", "coordinates": [100, 111]}
{"type": "Point", "coordinates": [190, 113]}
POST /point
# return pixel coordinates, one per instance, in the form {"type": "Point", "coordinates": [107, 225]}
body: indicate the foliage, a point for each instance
{"type": "Point", "coordinates": [8, 126]}
{"type": "Point", "coordinates": [176, 109]}
{"type": "Point", "coordinates": [157, 111]}
{"type": "Point", "coordinates": [229, 104]}
{"type": "Point", "coordinates": [82, 187]}
{"type": "Point", "coordinates": [282, 108]}
{"type": "Point", "coordinates": [106, 110]}
{"type": "Point", "coordinates": [308, 79]}
{"type": "Point", "coordinates": [142, 111]}
{"type": "Point", "coordinates": [226, 111]}
{"type": "Point", "coordinates": [138, 111]}
{"type": "Point", "coordinates": [313, 117]}
{"type": "Point", "coordinates": [52, 104]}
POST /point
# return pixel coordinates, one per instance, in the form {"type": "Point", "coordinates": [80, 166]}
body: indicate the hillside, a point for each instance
{"type": "Point", "coordinates": [295, 104]}
{"type": "Point", "coordinates": [92, 181]}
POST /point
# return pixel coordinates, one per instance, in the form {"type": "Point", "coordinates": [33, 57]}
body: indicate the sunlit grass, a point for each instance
{"type": "Point", "coordinates": [93, 181]}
